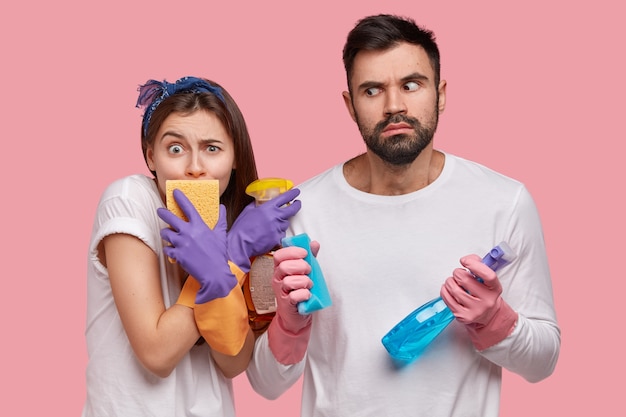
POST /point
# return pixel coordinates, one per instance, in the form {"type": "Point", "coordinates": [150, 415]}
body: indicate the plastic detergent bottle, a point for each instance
{"type": "Point", "coordinates": [409, 338]}
{"type": "Point", "coordinates": [257, 289]}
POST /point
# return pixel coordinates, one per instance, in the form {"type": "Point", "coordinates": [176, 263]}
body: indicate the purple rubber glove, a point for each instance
{"type": "Point", "coordinates": [258, 229]}
{"type": "Point", "coordinates": [201, 252]}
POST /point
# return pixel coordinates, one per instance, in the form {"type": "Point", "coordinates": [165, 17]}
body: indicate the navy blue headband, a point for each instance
{"type": "Point", "coordinates": [153, 92]}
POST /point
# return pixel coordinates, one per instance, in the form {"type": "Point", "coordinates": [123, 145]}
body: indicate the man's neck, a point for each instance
{"type": "Point", "coordinates": [368, 173]}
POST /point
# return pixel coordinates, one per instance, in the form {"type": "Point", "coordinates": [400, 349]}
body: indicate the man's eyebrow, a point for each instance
{"type": "Point", "coordinates": [370, 84]}
{"type": "Point", "coordinates": [376, 84]}
{"type": "Point", "coordinates": [415, 76]}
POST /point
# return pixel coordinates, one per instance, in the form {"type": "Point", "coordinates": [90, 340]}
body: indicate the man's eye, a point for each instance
{"type": "Point", "coordinates": [411, 86]}
{"type": "Point", "coordinates": [175, 149]}
{"type": "Point", "coordinates": [372, 91]}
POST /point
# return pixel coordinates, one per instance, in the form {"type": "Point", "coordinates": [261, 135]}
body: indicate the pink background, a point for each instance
{"type": "Point", "coordinates": [535, 90]}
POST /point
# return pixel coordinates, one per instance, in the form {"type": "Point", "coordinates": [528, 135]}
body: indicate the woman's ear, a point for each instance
{"type": "Point", "coordinates": [150, 159]}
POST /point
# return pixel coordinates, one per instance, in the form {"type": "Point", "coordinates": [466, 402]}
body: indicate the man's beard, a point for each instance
{"type": "Point", "coordinates": [402, 149]}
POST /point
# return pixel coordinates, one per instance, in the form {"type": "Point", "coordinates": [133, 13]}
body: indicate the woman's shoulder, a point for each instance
{"type": "Point", "coordinates": [130, 184]}
{"type": "Point", "coordinates": [131, 191]}
{"type": "Point", "coordinates": [129, 205]}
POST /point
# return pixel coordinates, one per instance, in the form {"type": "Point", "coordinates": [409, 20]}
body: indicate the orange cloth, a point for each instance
{"type": "Point", "coordinates": [223, 322]}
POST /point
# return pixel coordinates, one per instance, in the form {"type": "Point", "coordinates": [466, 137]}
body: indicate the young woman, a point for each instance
{"type": "Point", "coordinates": [146, 354]}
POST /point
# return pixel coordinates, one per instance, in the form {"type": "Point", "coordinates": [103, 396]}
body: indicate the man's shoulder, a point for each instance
{"type": "Point", "coordinates": [477, 170]}
{"type": "Point", "coordinates": [321, 179]}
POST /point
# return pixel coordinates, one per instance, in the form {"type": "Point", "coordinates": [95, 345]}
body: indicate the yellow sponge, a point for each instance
{"type": "Point", "coordinates": [203, 194]}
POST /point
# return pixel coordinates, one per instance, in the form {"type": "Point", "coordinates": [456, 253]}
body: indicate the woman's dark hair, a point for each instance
{"type": "Point", "coordinates": [227, 111]}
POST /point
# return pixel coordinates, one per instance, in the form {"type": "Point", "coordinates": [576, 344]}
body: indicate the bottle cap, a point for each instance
{"type": "Point", "coordinates": [265, 189]}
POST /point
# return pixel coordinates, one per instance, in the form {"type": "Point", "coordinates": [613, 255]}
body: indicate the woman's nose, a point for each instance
{"type": "Point", "coordinates": [195, 167]}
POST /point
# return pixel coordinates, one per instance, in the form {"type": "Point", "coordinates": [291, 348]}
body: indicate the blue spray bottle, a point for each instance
{"type": "Point", "coordinates": [320, 298]}
{"type": "Point", "coordinates": [409, 338]}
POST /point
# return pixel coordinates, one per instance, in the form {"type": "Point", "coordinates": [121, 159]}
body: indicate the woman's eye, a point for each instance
{"type": "Point", "coordinates": [372, 91]}
{"type": "Point", "coordinates": [175, 149]}
{"type": "Point", "coordinates": [212, 148]}
{"type": "Point", "coordinates": [411, 86]}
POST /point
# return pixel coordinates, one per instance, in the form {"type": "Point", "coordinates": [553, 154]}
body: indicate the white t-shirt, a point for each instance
{"type": "Point", "coordinates": [117, 383]}
{"type": "Point", "coordinates": [384, 256]}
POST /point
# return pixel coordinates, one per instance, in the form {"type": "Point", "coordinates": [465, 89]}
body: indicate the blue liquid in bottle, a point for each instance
{"type": "Point", "coordinates": [409, 338]}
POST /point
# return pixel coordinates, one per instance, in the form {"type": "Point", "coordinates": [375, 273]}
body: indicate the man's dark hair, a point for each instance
{"type": "Point", "coordinates": [384, 31]}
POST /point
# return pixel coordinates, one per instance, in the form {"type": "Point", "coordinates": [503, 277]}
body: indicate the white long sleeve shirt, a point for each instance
{"type": "Point", "coordinates": [384, 256]}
